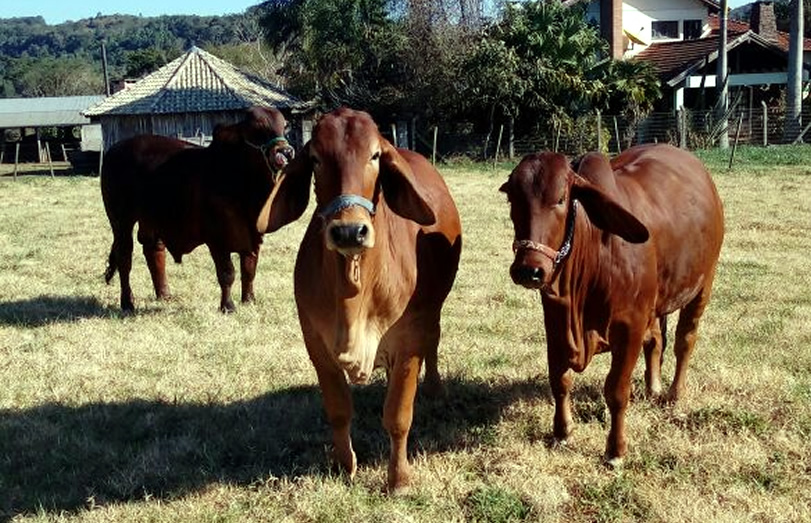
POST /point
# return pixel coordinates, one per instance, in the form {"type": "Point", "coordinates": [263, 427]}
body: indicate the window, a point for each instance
{"type": "Point", "coordinates": [693, 29]}
{"type": "Point", "coordinates": [664, 30]}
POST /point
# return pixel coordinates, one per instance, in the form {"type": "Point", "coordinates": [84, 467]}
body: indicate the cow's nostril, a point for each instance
{"type": "Point", "coordinates": [349, 235]}
{"type": "Point", "coordinates": [363, 231]}
{"type": "Point", "coordinates": [529, 274]}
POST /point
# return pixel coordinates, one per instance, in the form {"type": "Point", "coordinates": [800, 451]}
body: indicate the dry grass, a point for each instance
{"type": "Point", "coordinates": [179, 413]}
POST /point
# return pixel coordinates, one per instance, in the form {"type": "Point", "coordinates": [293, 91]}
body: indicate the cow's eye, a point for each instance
{"type": "Point", "coordinates": [562, 200]}
{"type": "Point", "coordinates": [376, 156]}
{"type": "Point", "coordinates": [314, 160]}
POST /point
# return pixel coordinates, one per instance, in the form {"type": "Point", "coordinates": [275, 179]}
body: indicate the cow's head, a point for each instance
{"type": "Point", "coordinates": [352, 165]}
{"type": "Point", "coordinates": [545, 198]}
{"type": "Point", "coordinates": [262, 135]}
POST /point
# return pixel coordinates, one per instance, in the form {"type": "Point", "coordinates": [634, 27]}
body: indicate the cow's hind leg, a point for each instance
{"type": "Point", "coordinates": [686, 335]}
{"type": "Point", "coordinates": [225, 277]}
{"type": "Point", "coordinates": [155, 254]}
{"type": "Point", "coordinates": [654, 346]}
{"type": "Point", "coordinates": [432, 385]}
{"type": "Point", "coordinates": [247, 273]}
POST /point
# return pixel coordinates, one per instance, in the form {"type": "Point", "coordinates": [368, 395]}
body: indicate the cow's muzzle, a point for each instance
{"type": "Point", "coordinates": [349, 227]}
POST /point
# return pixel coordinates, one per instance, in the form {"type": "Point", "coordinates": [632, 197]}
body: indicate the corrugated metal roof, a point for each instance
{"type": "Point", "coordinates": [45, 112]}
{"type": "Point", "coordinates": [196, 82]}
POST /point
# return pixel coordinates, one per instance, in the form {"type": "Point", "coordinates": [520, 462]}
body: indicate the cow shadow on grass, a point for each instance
{"type": "Point", "coordinates": [43, 310]}
{"type": "Point", "coordinates": [64, 458]}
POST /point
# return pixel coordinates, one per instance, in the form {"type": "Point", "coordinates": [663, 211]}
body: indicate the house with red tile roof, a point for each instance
{"type": "Point", "coordinates": [681, 39]}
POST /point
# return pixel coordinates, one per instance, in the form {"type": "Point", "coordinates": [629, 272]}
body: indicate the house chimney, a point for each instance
{"type": "Point", "coordinates": [611, 27]}
{"type": "Point", "coordinates": [762, 20]}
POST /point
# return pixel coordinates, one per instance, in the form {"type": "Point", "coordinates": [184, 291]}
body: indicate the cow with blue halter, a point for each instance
{"type": "Point", "coordinates": [377, 261]}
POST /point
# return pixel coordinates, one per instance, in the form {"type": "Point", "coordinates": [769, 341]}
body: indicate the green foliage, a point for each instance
{"type": "Point", "coordinates": [496, 505]}
{"type": "Point", "coordinates": [37, 59]}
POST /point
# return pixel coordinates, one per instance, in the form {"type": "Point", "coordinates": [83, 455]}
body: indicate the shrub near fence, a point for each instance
{"type": "Point", "coordinates": [688, 129]}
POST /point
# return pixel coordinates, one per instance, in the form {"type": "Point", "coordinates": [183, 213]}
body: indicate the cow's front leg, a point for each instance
{"type": "Point", "coordinates": [398, 413]}
{"type": "Point", "coordinates": [560, 381]}
{"type": "Point", "coordinates": [155, 254]}
{"type": "Point", "coordinates": [625, 349]}
{"type": "Point", "coordinates": [247, 272]}
{"type": "Point", "coordinates": [337, 399]}
{"type": "Point", "coordinates": [225, 277]}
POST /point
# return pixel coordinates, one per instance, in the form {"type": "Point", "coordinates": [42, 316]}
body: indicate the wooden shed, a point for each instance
{"type": "Point", "coordinates": [187, 98]}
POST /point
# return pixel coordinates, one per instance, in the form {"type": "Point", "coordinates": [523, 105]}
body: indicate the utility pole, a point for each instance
{"type": "Point", "coordinates": [104, 68]}
{"type": "Point", "coordinates": [794, 86]}
{"type": "Point", "coordinates": [721, 79]}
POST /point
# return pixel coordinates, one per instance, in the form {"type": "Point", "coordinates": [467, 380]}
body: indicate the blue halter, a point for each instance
{"type": "Point", "coordinates": [345, 201]}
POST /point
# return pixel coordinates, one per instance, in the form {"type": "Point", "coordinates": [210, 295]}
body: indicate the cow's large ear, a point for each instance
{"type": "Point", "coordinates": [289, 197]}
{"type": "Point", "coordinates": [607, 214]}
{"type": "Point", "coordinates": [404, 193]}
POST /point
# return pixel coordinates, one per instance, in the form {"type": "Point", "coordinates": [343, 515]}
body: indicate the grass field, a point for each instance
{"type": "Point", "coordinates": [180, 413]}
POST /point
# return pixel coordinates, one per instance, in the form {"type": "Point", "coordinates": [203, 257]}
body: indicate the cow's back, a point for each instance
{"type": "Point", "coordinates": [672, 193]}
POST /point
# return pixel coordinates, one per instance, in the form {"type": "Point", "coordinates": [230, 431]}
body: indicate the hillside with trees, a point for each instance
{"type": "Point", "coordinates": [38, 59]}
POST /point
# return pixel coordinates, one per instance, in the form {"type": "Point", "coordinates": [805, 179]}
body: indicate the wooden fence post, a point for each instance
{"type": "Point", "coordinates": [394, 134]}
{"type": "Point", "coordinates": [48, 154]}
{"type": "Point", "coordinates": [735, 143]}
{"type": "Point", "coordinates": [498, 144]}
{"type": "Point", "coordinates": [765, 124]}
{"type": "Point", "coordinates": [599, 131]}
{"type": "Point", "coordinates": [433, 153]}
{"type": "Point", "coordinates": [617, 134]}
{"type": "Point", "coordinates": [16, 159]}
{"type": "Point", "coordinates": [511, 137]}
{"type": "Point", "coordinates": [682, 126]}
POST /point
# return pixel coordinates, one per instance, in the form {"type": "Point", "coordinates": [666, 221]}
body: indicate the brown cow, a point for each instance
{"type": "Point", "coordinates": [639, 238]}
{"type": "Point", "coordinates": [377, 261]}
{"type": "Point", "coordinates": [183, 196]}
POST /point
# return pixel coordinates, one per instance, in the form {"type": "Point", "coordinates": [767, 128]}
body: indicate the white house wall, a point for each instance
{"type": "Point", "coordinates": [637, 16]}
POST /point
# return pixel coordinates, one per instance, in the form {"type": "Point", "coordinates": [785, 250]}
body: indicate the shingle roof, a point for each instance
{"type": "Point", "coordinates": [196, 82]}
{"type": "Point", "coordinates": [673, 60]}
{"type": "Point", "coordinates": [739, 26]}
{"type": "Point", "coordinates": [45, 112]}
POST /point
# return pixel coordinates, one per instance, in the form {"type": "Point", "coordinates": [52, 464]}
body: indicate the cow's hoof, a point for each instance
{"type": "Point", "coordinates": [346, 462]}
{"type": "Point", "coordinates": [560, 443]}
{"type": "Point", "coordinates": [614, 463]}
{"type": "Point", "coordinates": [399, 484]}
{"type": "Point", "coordinates": [228, 308]}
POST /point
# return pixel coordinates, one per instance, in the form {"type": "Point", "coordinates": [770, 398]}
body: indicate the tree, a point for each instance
{"type": "Point", "coordinates": [631, 88]}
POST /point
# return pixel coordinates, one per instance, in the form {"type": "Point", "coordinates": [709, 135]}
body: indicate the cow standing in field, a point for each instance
{"type": "Point", "coordinates": [183, 196]}
{"type": "Point", "coordinates": [377, 261]}
{"type": "Point", "coordinates": [613, 250]}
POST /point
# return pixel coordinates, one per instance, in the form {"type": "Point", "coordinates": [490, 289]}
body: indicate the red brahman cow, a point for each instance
{"type": "Point", "coordinates": [183, 196]}
{"type": "Point", "coordinates": [613, 249]}
{"type": "Point", "coordinates": [377, 261]}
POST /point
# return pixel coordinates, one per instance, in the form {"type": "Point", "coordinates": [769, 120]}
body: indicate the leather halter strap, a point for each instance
{"type": "Point", "coordinates": [345, 201]}
{"type": "Point", "coordinates": [556, 256]}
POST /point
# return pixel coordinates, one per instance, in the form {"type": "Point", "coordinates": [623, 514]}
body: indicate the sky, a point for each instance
{"type": "Point", "coordinates": [58, 11]}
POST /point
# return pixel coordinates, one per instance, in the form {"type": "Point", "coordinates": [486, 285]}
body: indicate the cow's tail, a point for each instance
{"type": "Point", "coordinates": [112, 267]}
